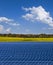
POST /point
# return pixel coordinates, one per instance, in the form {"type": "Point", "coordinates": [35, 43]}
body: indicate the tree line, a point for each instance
{"type": "Point", "coordinates": [28, 35]}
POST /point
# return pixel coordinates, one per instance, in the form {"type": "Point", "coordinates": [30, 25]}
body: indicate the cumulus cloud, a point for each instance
{"type": "Point", "coordinates": [38, 14]}
{"type": "Point", "coordinates": [9, 21]}
{"type": "Point", "coordinates": [50, 28]}
{"type": "Point", "coordinates": [5, 19]}
{"type": "Point", "coordinates": [27, 30]}
{"type": "Point", "coordinates": [8, 30]}
{"type": "Point", "coordinates": [1, 28]}
{"type": "Point", "coordinates": [14, 24]}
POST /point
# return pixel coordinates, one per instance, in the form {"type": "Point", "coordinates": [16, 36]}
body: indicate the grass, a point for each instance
{"type": "Point", "coordinates": [15, 39]}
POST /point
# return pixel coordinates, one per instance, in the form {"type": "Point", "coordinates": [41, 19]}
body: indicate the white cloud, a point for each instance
{"type": "Point", "coordinates": [26, 9]}
{"type": "Point", "coordinates": [28, 16]}
{"type": "Point", "coordinates": [38, 14]}
{"type": "Point", "coordinates": [8, 30]}
{"type": "Point", "coordinates": [50, 28]}
{"type": "Point", "coordinates": [5, 19]}
{"type": "Point", "coordinates": [27, 30]}
{"type": "Point", "coordinates": [1, 28]}
{"type": "Point", "coordinates": [9, 21]}
{"type": "Point", "coordinates": [14, 24]}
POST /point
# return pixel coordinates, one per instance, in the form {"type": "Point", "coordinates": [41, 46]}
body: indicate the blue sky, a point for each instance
{"type": "Point", "coordinates": [26, 16]}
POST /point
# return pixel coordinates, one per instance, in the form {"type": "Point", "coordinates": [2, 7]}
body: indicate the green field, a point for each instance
{"type": "Point", "coordinates": [15, 39]}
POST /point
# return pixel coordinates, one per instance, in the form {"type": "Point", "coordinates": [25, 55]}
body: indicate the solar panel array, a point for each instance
{"type": "Point", "coordinates": [26, 54]}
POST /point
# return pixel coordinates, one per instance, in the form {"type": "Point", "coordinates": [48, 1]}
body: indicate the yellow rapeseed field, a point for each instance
{"type": "Point", "coordinates": [15, 39]}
